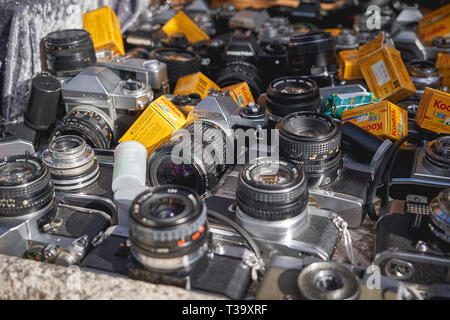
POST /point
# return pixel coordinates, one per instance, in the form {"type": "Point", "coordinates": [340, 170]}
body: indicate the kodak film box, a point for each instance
{"type": "Point", "coordinates": [434, 111]}
{"type": "Point", "coordinates": [384, 71]}
{"type": "Point", "coordinates": [437, 23]}
{"type": "Point", "coordinates": [383, 119]}
{"type": "Point", "coordinates": [104, 27]}
{"type": "Point", "coordinates": [156, 124]}
{"type": "Point", "coordinates": [443, 65]}
{"type": "Point", "coordinates": [348, 65]}
{"type": "Point", "coordinates": [200, 84]}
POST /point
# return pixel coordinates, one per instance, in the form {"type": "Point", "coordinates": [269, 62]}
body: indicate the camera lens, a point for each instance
{"type": "Point", "coordinates": [240, 71]}
{"type": "Point", "coordinates": [89, 123]}
{"type": "Point", "coordinates": [191, 167]}
{"type": "Point", "coordinates": [291, 94]}
{"type": "Point", "coordinates": [439, 223]}
{"type": "Point", "coordinates": [312, 140]}
{"type": "Point", "coordinates": [168, 228]}
{"type": "Point", "coordinates": [424, 74]}
{"type": "Point", "coordinates": [328, 281]}
{"type": "Point", "coordinates": [179, 62]}
{"type": "Point", "coordinates": [72, 163]}
{"type": "Point", "coordinates": [313, 53]}
{"type": "Point", "coordinates": [67, 52]}
{"type": "Point", "coordinates": [437, 156]}
{"type": "Point", "coordinates": [25, 186]}
{"type": "Point", "coordinates": [272, 197]}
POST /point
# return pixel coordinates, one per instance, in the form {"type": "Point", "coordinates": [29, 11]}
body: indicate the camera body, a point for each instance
{"type": "Point", "coordinates": [244, 60]}
{"type": "Point", "coordinates": [112, 255]}
{"type": "Point", "coordinates": [424, 169]}
{"type": "Point", "coordinates": [307, 239]}
{"type": "Point", "coordinates": [151, 72]}
{"type": "Point", "coordinates": [290, 278]}
{"type": "Point", "coordinates": [100, 106]}
{"type": "Point", "coordinates": [37, 223]}
{"type": "Point", "coordinates": [412, 240]}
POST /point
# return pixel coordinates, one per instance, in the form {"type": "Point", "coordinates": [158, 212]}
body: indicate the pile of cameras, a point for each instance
{"type": "Point", "coordinates": [70, 194]}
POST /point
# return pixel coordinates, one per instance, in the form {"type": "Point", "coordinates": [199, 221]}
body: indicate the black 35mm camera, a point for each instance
{"type": "Point", "coordinates": [170, 242]}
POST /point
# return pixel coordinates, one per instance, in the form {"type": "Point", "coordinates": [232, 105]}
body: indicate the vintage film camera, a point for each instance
{"type": "Point", "coordinates": [244, 60]}
{"type": "Point", "coordinates": [209, 135]}
{"type": "Point", "coordinates": [76, 171]}
{"type": "Point", "coordinates": [36, 223]}
{"type": "Point", "coordinates": [269, 199]}
{"type": "Point", "coordinates": [151, 72]}
{"type": "Point", "coordinates": [313, 141]}
{"type": "Point", "coordinates": [424, 169]}
{"type": "Point", "coordinates": [289, 278]}
{"type": "Point", "coordinates": [413, 239]}
{"type": "Point", "coordinates": [100, 106]}
{"type": "Point", "coordinates": [169, 241]}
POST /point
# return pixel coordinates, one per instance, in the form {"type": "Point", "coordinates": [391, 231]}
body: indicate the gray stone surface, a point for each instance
{"type": "Point", "coordinates": [27, 279]}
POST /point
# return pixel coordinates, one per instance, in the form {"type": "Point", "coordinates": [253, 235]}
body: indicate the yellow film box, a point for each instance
{"type": "Point", "coordinates": [104, 27]}
{"type": "Point", "coordinates": [384, 71]}
{"type": "Point", "coordinates": [240, 93]}
{"type": "Point", "coordinates": [434, 111]}
{"type": "Point", "coordinates": [349, 67]}
{"type": "Point", "coordinates": [156, 124]}
{"type": "Point", "coordinates": [200, 84]}
{"type": "Point", "coordinates": [195, 83]}
{"type": "Point", "coordinates": [383, 119]}
{"type": "Point", "coordinates": [443, 65]}
{"type": "Point", "coordinates": [437, 23]}
{"type": "Point", "coordinates": [181, 23]}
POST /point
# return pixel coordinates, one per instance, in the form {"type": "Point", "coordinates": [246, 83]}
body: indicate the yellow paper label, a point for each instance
{"type": "Point", "coordinates": [349, 67]}
{"type": "Point", "coordinates": [383, 119]}
{"type": "Point", "coordinates": [156, 124]}
{"type": "Point", "coordinates": [181, 23]}
{"type": "Point", "coordinates": [104, 28]}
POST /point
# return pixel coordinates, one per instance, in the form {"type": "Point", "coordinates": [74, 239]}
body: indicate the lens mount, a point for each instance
{"type": "Point", "coordinates": [424, 74]}
{"type": "Point", "coordinates": [168, 228]}
{"type": "Point", "coordinates": [25, 186]}
{"type": "Point", "coordinates": [72, 163]}
{"type": "Point", "coordinates": [328, 280]}
{"type": "Point", "coordinates": [437, 156]}
{"type": "Point", "coordinates": [90, 123]}
{"type": "Point", "coordinates": [291, 94]}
